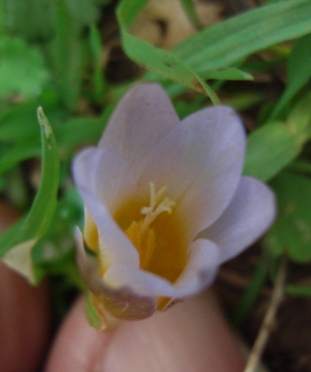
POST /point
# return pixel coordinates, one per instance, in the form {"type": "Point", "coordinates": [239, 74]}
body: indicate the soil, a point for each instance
{"type": "Point", "coordinates": [289, 345]}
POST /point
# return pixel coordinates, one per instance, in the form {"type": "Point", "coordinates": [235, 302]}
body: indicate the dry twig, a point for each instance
{"type": "Point", "coordinates": [268, 321]}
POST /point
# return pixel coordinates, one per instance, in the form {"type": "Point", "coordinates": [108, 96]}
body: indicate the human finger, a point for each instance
{"type": "Point", "coordinates": [191, 336]}
{"type": "Point", "coordinates": [24, 315]}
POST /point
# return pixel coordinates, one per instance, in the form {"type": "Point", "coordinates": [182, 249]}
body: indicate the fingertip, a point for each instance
{"type": "Point", "coordinates": [24, 314]}
{"type": "Point", "coordinates": [24, 322]}
{"type": "Point", "coordinates": [77, 344]}
{"type": "Point", "coordinates": [191, 336]}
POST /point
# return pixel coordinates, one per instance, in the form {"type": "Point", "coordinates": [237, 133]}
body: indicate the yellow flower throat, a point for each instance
{"type": "Point", "coordinates": [141, 233]}
{"type": "Point", "coordinates": [158, 239]}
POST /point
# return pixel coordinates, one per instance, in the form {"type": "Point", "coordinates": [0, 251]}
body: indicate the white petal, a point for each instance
{"type": "Point", "coordinates": [106, 175]}
{"type": "Point", "coordinates": [248, 216]}
{"type": "Point", "coordinates": [114, 244]}
{"type": "Point", "coordinates": [199, 272]}
{"type": "Point", "coordinates": [139, 281]}
{"type": "Point", "coordinates": [19, 258]}
{"type": "Point", "coordinates": [201, 268]}
{"type": "Point", "coordinates": [122, 302]}
{"type": "Point", "coordinates": [200, 162]}
{"type": "Point", "coordinates": [140, 121]}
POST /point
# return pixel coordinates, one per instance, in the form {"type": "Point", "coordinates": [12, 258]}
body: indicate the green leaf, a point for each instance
{"type": "Point", "coordinates": [82, 130]}
{"type": "Point", "coordinates": [296, 290]}
{"type": "Point", "coordinates": [159, 61]}
{"type": "Point", "coordinates": [299, 119]}
{"type": "Point", "coordinates": [291, 233]}
{"type": "Point", "coordinates": [19, 123]}
{"type": "Point", "coordinates": [21, 69]}
{"type": "Point", "coordinates": [46, 198]}
{"type": "Point", "coordinates": [83, 12]}
{"type": "Point", "coordinates": [55, 252]}
{"type": "Point", "coordinates": [242, 101]}
{"type": "Point", "coordinates": [275, 145]}
{"type": "Point", "coordinates": [23, 151]}
{"type": "Point", "coordinates": [96, 46]}
{"type": "Point", "coordinates": [269, 150]}
{"type": "Point", "coordinates": [253, 290]}
{"type": "Point", "coordinates": [30, 19]}
{"type": "Point", "coordinates": [2, 18]}
{"type": "Point", "coordinates": [189, 8]}
{"type": "Point", "coordinates": [71, 133]}
{"type": "Point", "coordinates": [67, 51]}
{"type": "Point", "coordinates": [37, 222]}
{"type": "Point", "coordinates": [229, 42]}
{"type": "Point", "coordinates": [228, 74]}
{"type": "Point", "coordinates": [298, 70]}
{"type": "Point", "coordinates": [94, 317]}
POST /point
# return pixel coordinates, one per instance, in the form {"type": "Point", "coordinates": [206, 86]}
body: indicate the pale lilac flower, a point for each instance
{"type": "Point", "coordinates": [165, 203]}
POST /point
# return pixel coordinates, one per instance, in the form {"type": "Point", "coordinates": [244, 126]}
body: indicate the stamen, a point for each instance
{"type": "Point", "coordinates": [144, 237]}
{"type": "Point", "coordinates": [156, 207]}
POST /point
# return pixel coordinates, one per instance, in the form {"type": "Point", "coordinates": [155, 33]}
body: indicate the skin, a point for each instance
{"type": "Point", "coordinates": [191, 336]}
{"type": "Point", "coordinates": [24, 315]}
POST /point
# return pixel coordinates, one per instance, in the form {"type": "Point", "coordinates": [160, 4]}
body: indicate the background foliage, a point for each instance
{"type": "Point", "coordinates": [56, 54]}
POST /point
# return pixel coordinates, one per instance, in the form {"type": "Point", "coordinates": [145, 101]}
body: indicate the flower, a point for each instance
{"type": "Point", "coordinates": [165, 203]}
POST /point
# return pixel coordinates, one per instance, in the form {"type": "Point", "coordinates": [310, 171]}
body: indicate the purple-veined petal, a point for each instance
{"type": "Point", "coordinates": [200, 162]}
{"type": "Point", "coordinates": [114, 245]}
{"type": "Point", "coordinates": [122, 303]}
{"type": "Point", "coordinates": [250, 213]}
{"type": "Point", "coordinates": [106, 175]}
{"type": "Point", "coordinates": [140, 121]}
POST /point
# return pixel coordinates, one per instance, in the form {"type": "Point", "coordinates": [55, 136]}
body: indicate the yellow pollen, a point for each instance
{"type": "Point", "coordinates": [141, 234]}
{"type": "Point", "coordinates": [156, 207]}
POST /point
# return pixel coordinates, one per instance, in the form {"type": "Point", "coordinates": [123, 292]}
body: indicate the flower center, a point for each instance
{"type": "Point", "coordinates": [157, 206]}
{"type": "Point", "coordinates": [142, 233]}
